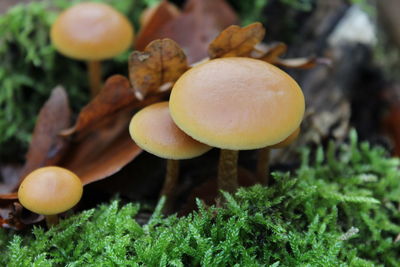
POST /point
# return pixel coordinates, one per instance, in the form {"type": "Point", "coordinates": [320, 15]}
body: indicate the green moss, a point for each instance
{"type": "Point", "coordinates": [338, 209]}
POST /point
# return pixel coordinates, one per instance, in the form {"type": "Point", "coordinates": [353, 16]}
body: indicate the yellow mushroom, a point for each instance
{"type": "Point", "coordinates": [154, 131]}
{"type": "Point", "coordinates": [92, 32]}
{"type": "Point", "coordinates": [50, 191]}
{"type": "Point", "coordinates": [234, 104]}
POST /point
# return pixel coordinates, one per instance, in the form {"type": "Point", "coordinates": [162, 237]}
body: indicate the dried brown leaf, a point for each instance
{"type": "Point", "coordinates": [301, 63]}
{"type": "Point", "coordinates": [115, 95]}
{"type": "Point", "coordinates": [103, 149]}
{"type": "Point", "coordinates": [160, 15]}
{"type": "Point", "coordinates": [47, 146]}
{"type": "Point", "coordinates": [162, 62]}
{"type": "Point", "coordinates": [236, 41]}
{"type": "Point", "coordinates": [198, 24]}
{"type": "Point", "coordinates": [273, 52]}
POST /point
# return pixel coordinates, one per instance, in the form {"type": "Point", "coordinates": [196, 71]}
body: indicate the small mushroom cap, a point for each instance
{"type": "Point", "coordinates": [91, 31]}
{"type": "Point", "coordinates": [50, 190]}
{"type": "Point", "coordinates": [153, 129]}
{"type": "Point", "coordinates": [289, 140]}
{"type": "Point", "coordinates": [237, 103]}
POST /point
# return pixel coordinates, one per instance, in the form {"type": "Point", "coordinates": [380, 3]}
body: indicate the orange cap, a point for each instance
{"type": "Point", "coordinates": [153, 130]}
{"type": "Point", "coordinates": [50, 190]}
{"type": "Point", "coordinates": [237, 103]}
{"type": "Point", "coordinates": [91, 31]}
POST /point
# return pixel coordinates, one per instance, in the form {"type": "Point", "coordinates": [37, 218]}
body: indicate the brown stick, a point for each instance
{"type": "Point", "coordinates": [262, 171]}
{"type": "Point", "coordinates": [227, 170]}
{"type": "Point", "coordinates": [169, 186]}
{"type": "Point", "coordinates": [51, 220]}
{"type": "Point", "coordinates": [94, 72]}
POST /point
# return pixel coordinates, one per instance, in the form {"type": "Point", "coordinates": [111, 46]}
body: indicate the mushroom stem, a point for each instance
{"type": "Point", "coordinates": [227, 170]}
{"type": "Point", "coordinates": [51, 220]}
{"type": "Point", "coordinates": [169, 186]}
{"type": "Point", "coordinates": [263, 165]}
{"type": "Point", "coordinates": [94, 71]}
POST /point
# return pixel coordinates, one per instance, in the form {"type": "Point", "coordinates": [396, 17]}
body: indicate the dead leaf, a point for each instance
{"type": "Point", "coordinates": [47, 146]}
{"type": "Point", "coordinates": [9, 177]}
{"type": "Point", "coordinates": [301, 63]}
{"type": "Point", "coordinates": [159, 15]}
{"type": "Point", "coordinates": [103, 149]}
{"type": "Point", "coordinates": [273, 52]}
{"type": "Point", "coordinates": [236, 41]}
{"type": "Point", "coordinates": [116, 94]}
{"type": "Point", "coordinates": [162, 62]}
{"type": "Point", "coordinates": [198, 24]}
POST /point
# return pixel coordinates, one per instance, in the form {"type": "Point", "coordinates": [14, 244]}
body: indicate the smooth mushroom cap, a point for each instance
{"type": "Point", "coordinates": [91, 31]}
{"type": "Point", "coordinates": [153, 129]}
{"type": "Point", "coordinates": [50, 190]}
{"type": "Point", "coordinates": [290, 139]}
{"type": "Point", "coordinates": [237, 103]}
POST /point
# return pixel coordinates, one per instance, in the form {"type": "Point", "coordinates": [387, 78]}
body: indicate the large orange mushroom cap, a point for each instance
{"type": "Point", "coordinates": [237, 103]}
{"type": "Point", "coordinates": [91, 31]}
{"type": "Point", "coordinates": [153, 129]}
{"type": "Point", "coordinates": [50, 190]}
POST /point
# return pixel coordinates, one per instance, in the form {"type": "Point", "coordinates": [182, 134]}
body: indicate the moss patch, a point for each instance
{"type": "Point", "coordinates": [338, 209]}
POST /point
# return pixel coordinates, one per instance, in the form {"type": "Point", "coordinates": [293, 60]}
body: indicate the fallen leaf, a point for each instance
{"type": "Point", "coordinates": [9, 177]}
{"type": "Point", "coordinates": [115, 95]}
{"type": "Point", "coordinates": [103, 149]}
{"type": "Point", "coordinates": [272, 52]}
{"type": "Point", "coordinates": [198, 24]}
{"type": "Point", "coordinates": [159, 15]}
{"type": "Point", "coordinates": [161, 63]}
{"type": "Point", "coordinates": [301, 63]}
{"type": "Point", "coordinates": [47, 146]}
{"type": "Point", "coordinates": [236, 41]}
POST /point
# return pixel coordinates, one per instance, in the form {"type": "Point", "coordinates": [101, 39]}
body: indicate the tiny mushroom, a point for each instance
{"type": "Point", "coordinates": [153, 129]}
{"type": "Point", "coordinates": [50, 191]}
{"type": "Point", "coordinates": [263, 156]}
{"type": "Point", "coordinates": [92, 32]}
{"type": "Point", "coordinates": [235, 104]}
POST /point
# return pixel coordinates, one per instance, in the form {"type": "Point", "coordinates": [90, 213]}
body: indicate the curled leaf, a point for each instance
{"type": "Point", "coordinates": [116, 94]}
{"type": "Point", "coordinates": [193, 29]}
{"type": "Point", "coordinates": [272, 52]}
{"type": "Point", "coordinates": [103, 149]}
{"type": "Point", "coordinates": [236, 41]}
{"type": "Point", "coordinates": [162, 62]}
{"type": "Point", "coordinates": [159, 16]}
{"type": "Point", "coordinates": [301, 63]}
{"type": "Point", "coordinates": [47, 146]}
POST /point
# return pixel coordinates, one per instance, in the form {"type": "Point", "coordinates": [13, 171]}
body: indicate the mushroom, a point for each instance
{"type": "Point", "coordinates": [263, 157]}
{"type": "Point", "coordinates": [91, 32]}
{"type": "Point", "coordinates": [50, 191]}
{"type": "Point", "coordinates": [233, 104]}
{"type": "Point", "coordinates": [154, 131]}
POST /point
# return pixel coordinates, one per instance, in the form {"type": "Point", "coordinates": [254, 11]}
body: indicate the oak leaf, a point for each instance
{"type": "Point", "coordinates": [236, 41]}
{"type": "Point", "coordinates": [193, 29]}
{"type": "Point", "coordinates": [158, 66]}
{"type": "Point", "coordinates": [115, 94]}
